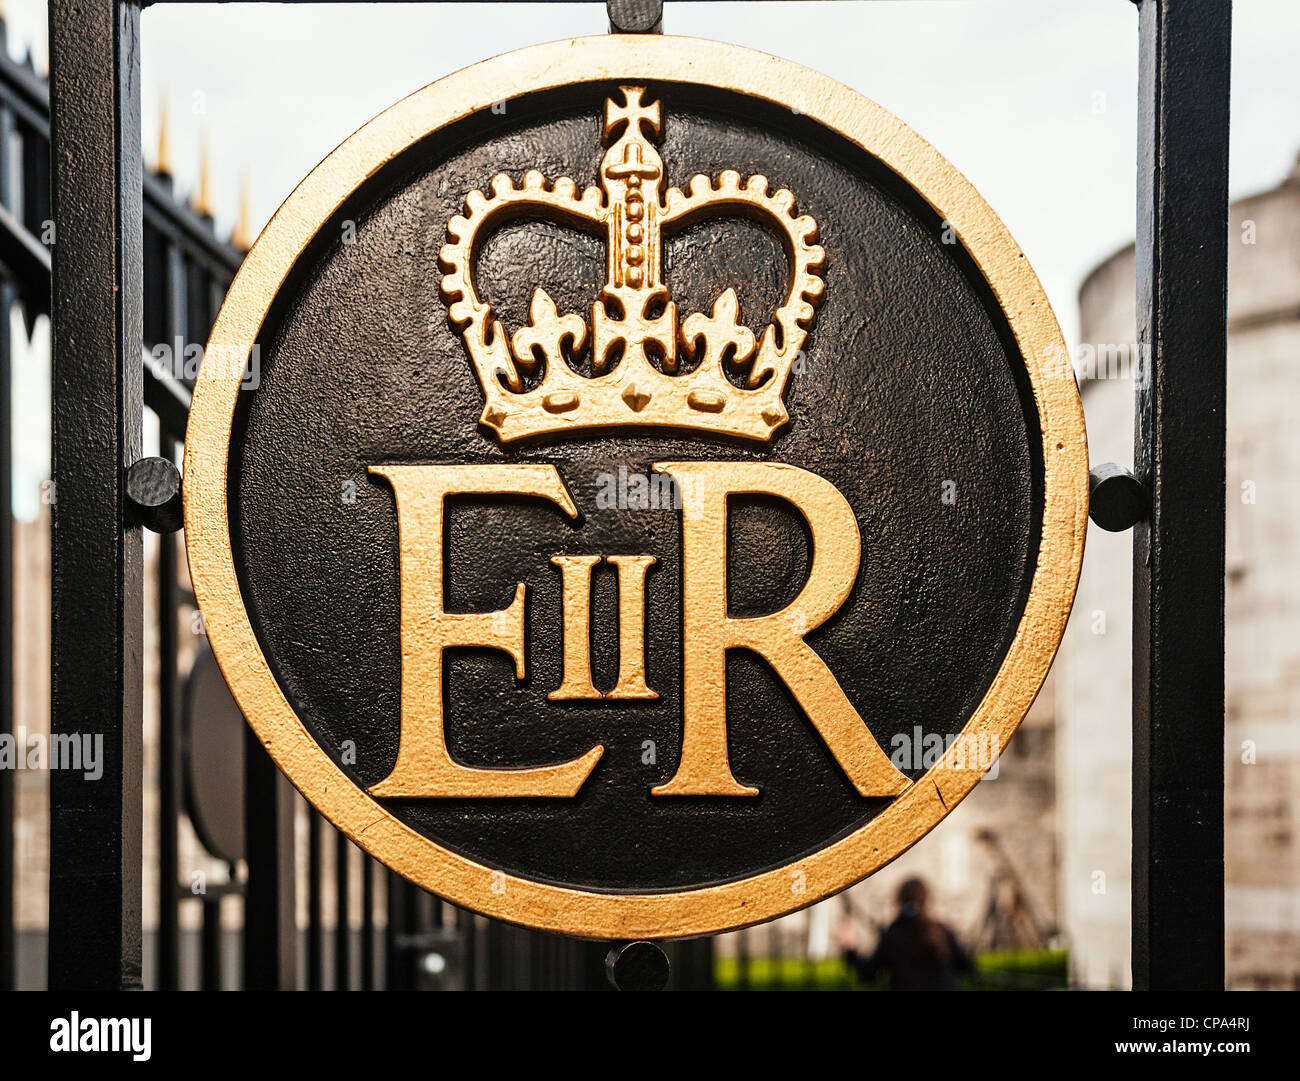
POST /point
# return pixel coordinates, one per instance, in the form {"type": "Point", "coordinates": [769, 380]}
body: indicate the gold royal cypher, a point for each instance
{"type": "Point", "coordinates": [635, 318]}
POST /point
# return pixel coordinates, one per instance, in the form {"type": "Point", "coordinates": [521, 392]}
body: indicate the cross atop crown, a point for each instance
{"type": "Point", "coordinates": [703, 373]}
{"type": "Point", "coordinates": [631, 171]}
{"type": "Point", "coordinates": [632, 113]}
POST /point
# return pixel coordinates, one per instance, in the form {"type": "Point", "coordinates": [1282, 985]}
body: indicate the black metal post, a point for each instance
{"type": "Point", "coordinates": [171, 276]}
{"type": "Point", "coordinates": [1178, 681]}
{"type": "Point", "coordinates": [368, 871]}
{"type": "Point", "coordinates": [210, 944]}
{"type": "Point", "coordinates": [412, 924]}
{"type": "Point", "coordinates": [270, 942]}
{"type": "Point", "coordinates": [97, 564]}
{"type": "Point", "coordinates": [742, 961]}
{"type": "Point", "coordinates": [168, 942]}
{"type": "Point", "coordinates": [396, 976]}
{"type": "Point", "coordinates": [315, 932]}
{"type": "Point", "coordinates": [8, 821]}
{"type": "Point", "coordinates": [342, 902]}
{"type": "Point", "coordinates": [635, 16]}
{"type": "Point", "coordinates": [467, 928]}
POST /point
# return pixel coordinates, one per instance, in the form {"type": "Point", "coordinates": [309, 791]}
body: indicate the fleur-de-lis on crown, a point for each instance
{"type": "Point", "coordinates": [634, 334]}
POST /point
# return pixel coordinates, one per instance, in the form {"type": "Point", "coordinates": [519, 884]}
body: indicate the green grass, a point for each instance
{"type": "Point", "coordinates": [1009, 970]}
{"type": "Point", "coordinates": [1001, 970]}
{"type": "Point", "coordinates": [785, 973]}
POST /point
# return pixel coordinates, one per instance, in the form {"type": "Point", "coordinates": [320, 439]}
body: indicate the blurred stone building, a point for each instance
{"type": "Point", "coordinates": [1262, 739]}
{"type": "Point", "coordinates": [991, 865]}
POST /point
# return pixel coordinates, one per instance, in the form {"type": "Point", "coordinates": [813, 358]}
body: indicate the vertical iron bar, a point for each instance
{"type": "Point", "coordinates": [97, 573]}
{"type": "Point", "coordinates": [342, 930]}
{"type": "Point", "coordinates": [173, 303]}
{"type": "Point", "coordinates": [492, 957]}
{"type": "Point", "coordinates": [210, 960]}
{"type": "Point", "coordinates": [575, 964]}
{"type": "Point", "coordinates": [1178, 680]}
{"type": "Point", "coordinates": [742, 961]}
{"type": "Point", "coordinates": [314, 932]}
{"type": "Point", "coordinates": [367, 923]}
{"type": "Point", "coordinates": [521, 958]}
{"type": "Point", "coordinates": [168, 944]}
{"type": "Point", "coordinates": [542, 966]}
{"type": "Point", "coordinates": [776, 971]}
{"type": "Point", "coordinates": [270, 939]}
{"type": "Point", "coordinates": [8, 821]}
{"type": "Point", "coordinates": [394, 955]}
{"type": "Point", "coordinates": [469, 948]}
{"type": "Point", "coordinates": [412, 926]}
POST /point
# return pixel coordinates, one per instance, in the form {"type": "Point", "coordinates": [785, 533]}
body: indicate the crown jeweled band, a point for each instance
{"type": "Point", "coordinates": [634, 333]}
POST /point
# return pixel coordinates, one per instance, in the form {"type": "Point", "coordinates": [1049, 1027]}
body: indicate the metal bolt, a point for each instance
{"type": "Point", "coordinates": [153, 495]}
{"type": "Point", "coordinates": [1117, 500]}
{"type": "Point", "coordinates": [637, 966]}
{"type": "Point", "coordinates": [635, 16]}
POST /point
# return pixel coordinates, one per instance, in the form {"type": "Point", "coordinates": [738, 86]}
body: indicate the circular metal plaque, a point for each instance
{"type": "Point", "coordinates": [656, 494]}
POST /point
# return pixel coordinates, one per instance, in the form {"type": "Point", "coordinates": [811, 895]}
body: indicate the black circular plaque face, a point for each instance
{"type": "Point", "coordinates": [882, 397]}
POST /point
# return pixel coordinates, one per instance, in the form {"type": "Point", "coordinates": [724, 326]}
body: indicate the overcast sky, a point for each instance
{"type": "Point", "coordinates": [1034, 100]}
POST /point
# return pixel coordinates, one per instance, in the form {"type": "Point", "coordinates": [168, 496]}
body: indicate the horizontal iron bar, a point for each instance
{"type": "Point", "coordinates": [167, 396]}
{"type": "Point", "coordinates": [24, 258]}
{"type": "Point", "coordinates": [306, 3]}
{"type": "Point", "coordinates": [184, 227]}
{"type": "Point", "coordinates": [27, 260]}
{"type": "Point", "coordinates": [27, 94]}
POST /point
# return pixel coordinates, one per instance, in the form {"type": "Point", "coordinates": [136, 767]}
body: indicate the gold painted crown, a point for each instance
{"type": "Point", "coordinates": [634, 322]}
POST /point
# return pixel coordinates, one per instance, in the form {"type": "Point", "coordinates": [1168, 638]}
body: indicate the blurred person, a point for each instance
{"type": "Point", "coordinates": [918, 952]}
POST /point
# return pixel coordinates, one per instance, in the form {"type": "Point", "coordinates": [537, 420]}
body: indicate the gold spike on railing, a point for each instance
{"type": "Point", "coordinates": [242, 236]}
{"type": "Point", "coordinates": [163, 164]}
{"type": "Point", "coordinates": [201, 203]}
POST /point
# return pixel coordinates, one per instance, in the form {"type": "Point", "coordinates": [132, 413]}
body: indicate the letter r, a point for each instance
{"type": "Point", "coordinates": [708, 632]}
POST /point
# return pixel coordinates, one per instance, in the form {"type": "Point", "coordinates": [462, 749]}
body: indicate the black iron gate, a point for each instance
{"type": "Point", "coordinates": [132, 266]}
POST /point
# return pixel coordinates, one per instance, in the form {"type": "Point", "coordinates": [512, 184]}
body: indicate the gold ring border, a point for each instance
{"type": "Point", "coordinates": [565, 909]}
